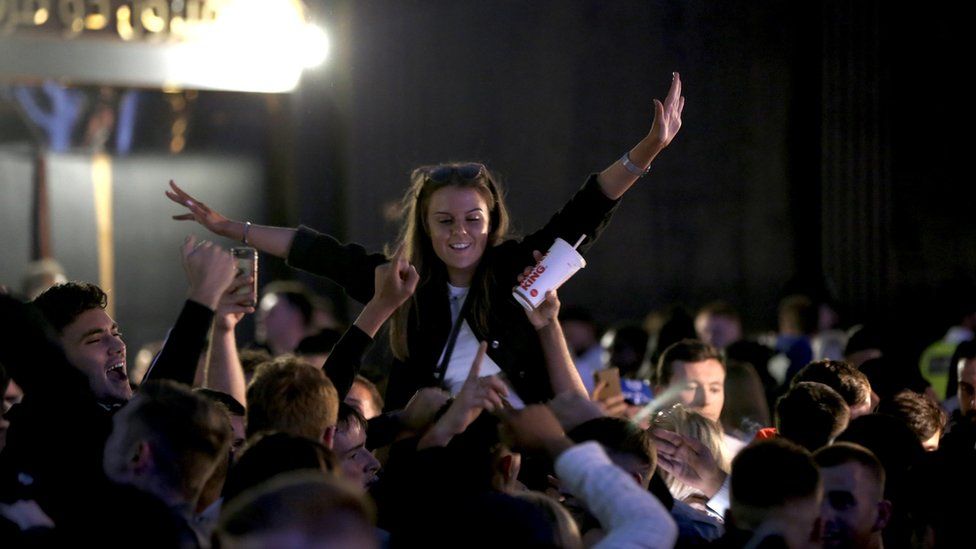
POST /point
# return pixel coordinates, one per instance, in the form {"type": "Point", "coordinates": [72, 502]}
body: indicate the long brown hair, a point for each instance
{"type": "Point", "coordinates": [417, 247]}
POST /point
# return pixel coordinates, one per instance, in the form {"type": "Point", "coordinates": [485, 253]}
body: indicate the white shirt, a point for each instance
{"type": "Point", "coordinates": [465, 349]}
{"type": "Point", "coordinates": [631, 517]}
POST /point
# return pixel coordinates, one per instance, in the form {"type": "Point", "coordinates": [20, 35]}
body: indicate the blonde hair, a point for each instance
{"type": "Point", "coordinates": [691, 424]}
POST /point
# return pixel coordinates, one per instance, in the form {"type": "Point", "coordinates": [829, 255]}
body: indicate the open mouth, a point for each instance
{"type": "Point", "coordinates": [117, 372]}
{"type": "Point", "coordinates": [460, 246]}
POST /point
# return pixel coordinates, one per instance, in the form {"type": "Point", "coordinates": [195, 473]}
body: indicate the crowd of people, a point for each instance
{"type": "Point", "coordinates": [494, 425]}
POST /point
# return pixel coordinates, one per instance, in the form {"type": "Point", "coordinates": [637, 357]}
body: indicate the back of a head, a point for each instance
{"type": "Point", "coordinates": [566, 531]}
{"type": "Point", "coordinates": [251, 359]}
{"type": "Point", "coordinates": [678, 325]}
{"type": "Point", "coordinates": [626, 345]}
{"type": "Point", "coordinates": [290, 395]}
{"type": "Point", "coordinates": [60, 305]}
{"type": "Point", "coordinates": [852, 385]}
{"type": "Point", "coordinates": [811, 414]}
{"type": "Point", "coordinates": [686, 350]}
{"type": "Point", "coordinates": [295, 293]}
{"type": "Point", "coordinates": [861, 339]}
{"type": "Point", "coordinates": [769, 476]}
{"type": "Point", "coordinates": [745, 409]}
{"type": "Point", "coordinates": [298, 510]}
{"type": "Point", "coordinates": [923, 416]}
{"type": "Point", "coordinates": [270, 454]}
{"type": "Point", "coordinates": [890, 440]}
{"type": "Point", "coordinates": [190, 434]}
{"type": "Point", "coordinates": [848, 452]}
{"type": "Point", "coordinates": [617, 435]}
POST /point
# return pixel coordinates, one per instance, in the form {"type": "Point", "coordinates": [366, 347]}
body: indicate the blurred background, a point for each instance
{"type": "Point", "coordinates": [820, 151]}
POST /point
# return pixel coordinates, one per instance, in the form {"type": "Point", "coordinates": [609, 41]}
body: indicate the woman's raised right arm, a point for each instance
{"type": "Point", "coordinates": [270, 240]}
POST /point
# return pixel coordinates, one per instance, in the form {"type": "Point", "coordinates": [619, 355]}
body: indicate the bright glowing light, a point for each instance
{"type": "Point", "coordinates": [315, 46]}
{"type": "Point", "coordinates": [258, 45]}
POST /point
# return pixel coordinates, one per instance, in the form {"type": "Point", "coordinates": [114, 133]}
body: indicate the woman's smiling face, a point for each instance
{"type": "Point", "coordinates": [457, 221]}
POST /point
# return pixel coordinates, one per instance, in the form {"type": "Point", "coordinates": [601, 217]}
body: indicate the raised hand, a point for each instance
{"type": "Point", "coordinates": [688, 460]}
{"type": "Point", "coordinates": [548, 310]}
{"type": "Point", "coordinates": [209, 269]}
{"type": "Point", "coordinates": [476, 395]}
{"type": "Point", "coordinates": [234, 305]}
{"type": "Point", "coordinates": [610, 405]}
{"type": "Point", "coordinates": [667, 115]}
{"type": "Point", "coordinates": [198, 211]}
{"type": "Point", "coordinates": [395, 281]}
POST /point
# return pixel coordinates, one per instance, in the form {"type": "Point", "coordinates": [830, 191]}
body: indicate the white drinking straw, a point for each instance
{"type": "Point", "coordinates": [578, 242]}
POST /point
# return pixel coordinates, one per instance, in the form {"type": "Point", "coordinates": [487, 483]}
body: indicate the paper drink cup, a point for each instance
{"type": "Point", "coordinates": [555, 268]}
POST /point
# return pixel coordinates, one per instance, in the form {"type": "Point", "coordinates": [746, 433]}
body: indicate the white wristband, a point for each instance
{"type": "Point", "coordinates": [633, 168]}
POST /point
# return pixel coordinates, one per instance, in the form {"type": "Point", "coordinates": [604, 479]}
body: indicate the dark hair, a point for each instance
{"type": "Point", "coordinates": [295, 293]}
{"type": "Point", "coordinates": [862, 338]}
{"type": "Point", "coordinates": [349, 416]}
{"type": "Point", "coordinates": [418, 250]}
{"type": "Point", "coordinates": [964, 351]}
{"type": "Point", "coordinates": [229, 403]}
{"type": "Point", "coordinates": [848, 452]}
{"type": "Point", "coordinates": [271, 453]}
{"type": "Point", "coordinates": [852, 385]}
{"type": "Point", "coordinates": [4, 381]}
{"type": "Point", "coordinates": [251, 359]}
{"type": "Point", "coordinates": [811, 414]}
{"type": "Point", "coordinates": [923, 416]}
{"type": "Point", "coordinates": [894, 444]}
{"type": "Point", "coordinates": [316, 507]}
{"type": "Point", "coordinates": [288, 394]}
{"type": "Point", "coordinates": [617, 435]}
{"type": "Point", "coordinates": [686, 350]}
{"type": "Point", "coordinates": [189, 432]}
{"type": "Point", "coordinates": [771, 473]}
{"type": "Point", "coordinates": [61, 304]}
{"type": "Point", "coordinates": [799, 313]}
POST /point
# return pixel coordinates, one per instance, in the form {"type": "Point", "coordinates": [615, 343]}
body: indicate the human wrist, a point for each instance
{"type": "Point", "coordinates": [208, 297]}
{"type": "Point", "coordinates": [373, 315]}
{"type": "Point", "coordinates": [438, 435]}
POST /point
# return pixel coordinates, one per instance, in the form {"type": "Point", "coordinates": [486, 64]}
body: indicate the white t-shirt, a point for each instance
{"type": "Point", "coordinates": [465, 349]}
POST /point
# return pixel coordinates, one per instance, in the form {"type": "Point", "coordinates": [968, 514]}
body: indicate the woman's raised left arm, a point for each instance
{"type": "Point", "coordinates": [623, 173]}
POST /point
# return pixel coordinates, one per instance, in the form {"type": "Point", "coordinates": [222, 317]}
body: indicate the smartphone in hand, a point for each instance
{"type": "Point", "coordinates": [247, 263]}
{"type": "Point", "coordinates": [612, 377]}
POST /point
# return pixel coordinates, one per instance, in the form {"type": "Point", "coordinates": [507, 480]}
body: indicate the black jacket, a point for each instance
{"type": "Point", "coordinates": [57, 433]}
{"type": "Point", "coordinates": [512, 342]}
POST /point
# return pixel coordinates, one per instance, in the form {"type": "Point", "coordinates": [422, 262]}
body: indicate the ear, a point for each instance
{"type": "Point", "coordinates": [328, 436]}
{"type": "Point", "coordinates": [884, 515]}
{"type": "Point", "coordinates": [141, 460]}
{"type": "Point", "coordinates": [509, 466]}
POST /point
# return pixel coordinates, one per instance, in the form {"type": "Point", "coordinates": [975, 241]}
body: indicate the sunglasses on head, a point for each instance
{"type": "Point", "coordinates": [467, 172]}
